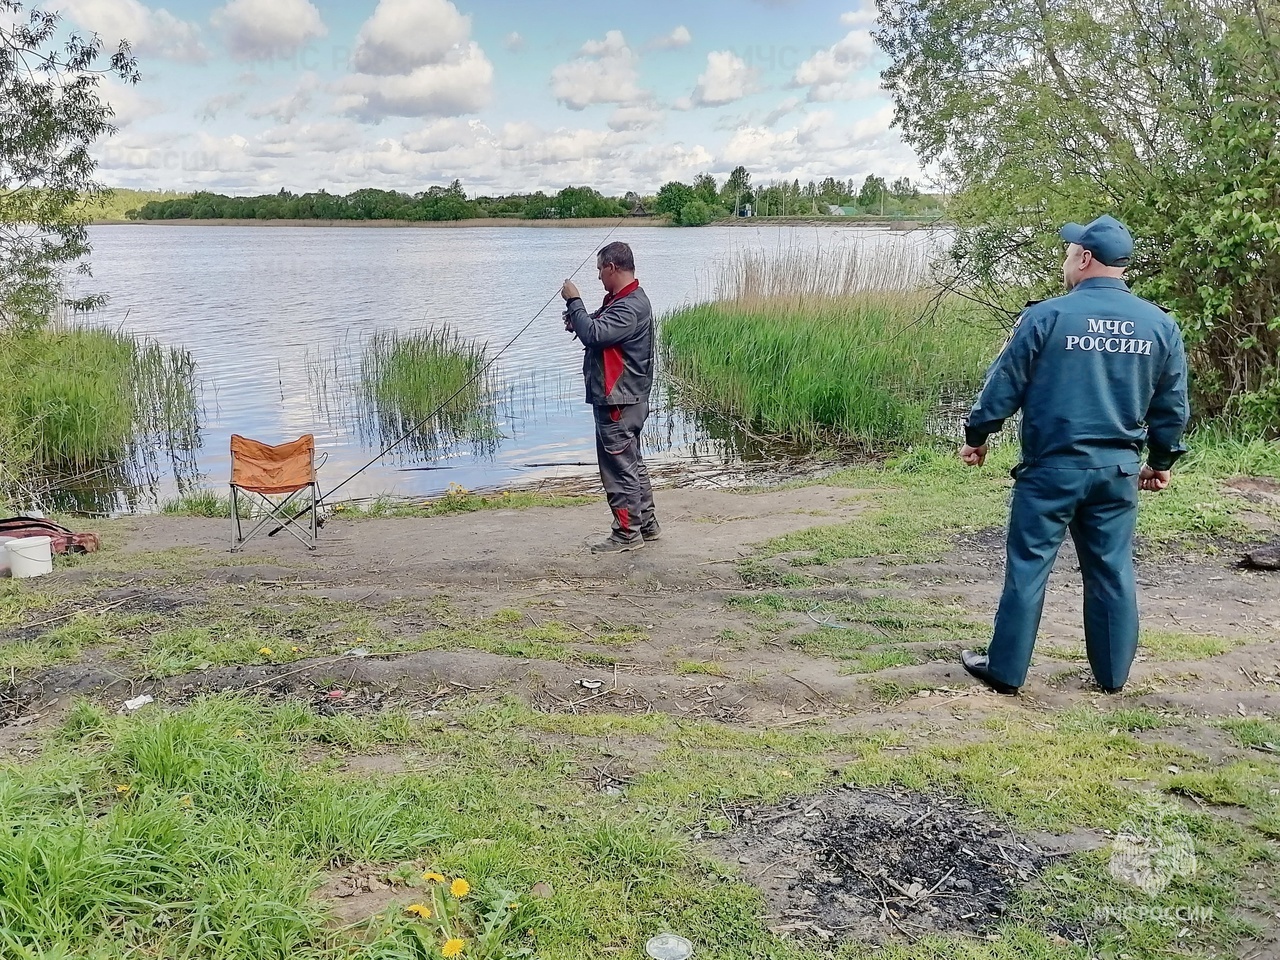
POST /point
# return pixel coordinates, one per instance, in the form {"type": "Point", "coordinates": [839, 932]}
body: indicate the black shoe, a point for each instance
{"type": "Point", "coordinates": [651, 532]}
{"type": "Point", "coordinates": [616, 544]}
{"type": "Point", "coordinates": [1119, 689]}
{"type": "Point", "coordinates": [978, 665]}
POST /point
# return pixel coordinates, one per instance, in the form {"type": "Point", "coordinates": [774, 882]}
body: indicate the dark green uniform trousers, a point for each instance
{"type": "Point", "coordinates": [1100, 507]}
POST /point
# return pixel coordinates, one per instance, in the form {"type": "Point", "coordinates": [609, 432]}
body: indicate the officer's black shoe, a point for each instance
{"type": "Point", "coordinates": [1119, 689]}
{"type": "Point", "coordinates": [616, 544]}
{"type": "Point", "coordinates": [978, 665]}
{"type": "Point", "coordinates": [651, 532]}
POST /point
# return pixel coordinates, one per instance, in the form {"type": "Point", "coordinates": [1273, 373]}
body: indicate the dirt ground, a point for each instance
{"type": "Point", "coordinates": [674, 593]}
{"type": "Point", "coordinates": [688, 650]}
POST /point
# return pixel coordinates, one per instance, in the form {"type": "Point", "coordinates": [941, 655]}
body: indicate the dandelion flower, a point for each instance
{"type": "Point", "coordinates": [433, 878]}
{"type": "Point", "coordinates": [238, 733]}
{"type": "Point", "coordinates": [297, 649]}
{"type": "Point", "coordinates": [453, 948]}
{"type": "Point", "coordinates": [266, 651]}
{"type": "Point", "coordinates": [123, 788]}
{"type": "Point", "coordinates": [186, 801]}
{"type": "Point", "coordinates": [459, 888]}
{"type": "Point", "coordinates": [418, 910]}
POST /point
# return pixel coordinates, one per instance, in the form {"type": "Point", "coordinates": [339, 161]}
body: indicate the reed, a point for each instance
{"type": "Point", "coordinates": [75, 399]}
{"type": "Point", "coordinates": [841, 349]}
{"type": "Point", "coordinates": [430, 386]}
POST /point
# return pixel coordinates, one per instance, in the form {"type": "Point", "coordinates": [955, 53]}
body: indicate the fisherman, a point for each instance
{"type": "Point", "coordinates": [618, 369]}
{"type": "Point", "coordinates": [1098, 374]}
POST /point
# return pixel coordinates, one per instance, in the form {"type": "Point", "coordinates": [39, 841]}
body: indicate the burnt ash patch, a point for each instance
{"type": "Point", "coordinates": [874, 866]}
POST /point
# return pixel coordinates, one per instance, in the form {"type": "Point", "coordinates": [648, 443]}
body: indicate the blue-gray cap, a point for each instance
{"type": "Point", "coordinates": [1106, 238]}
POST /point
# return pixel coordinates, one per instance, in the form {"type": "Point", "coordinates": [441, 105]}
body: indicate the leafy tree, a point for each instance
{"type": "Point", "coordinates": [1037, 113]}
{"type": "Point", "coordinates": [50, 115]}
{"type": "Point", "coordinates": [672, 199]}
{"type": "Point", "coordinates": [872, 193]}
{"type": "Point", "coordinates": [579, 202]}
{"type": "Point", "coordinates": [737, 190]}
{"type": "Point", "coordinates": [696, 213]}
{"type": "Point", "coordinates": [539, 207]}
{"type": "Point", "coordinates": [830, 191]}
{"type": "Point", "coordinates": [904, 189]}
{"type": "Point", "coordinates": [704, 185]}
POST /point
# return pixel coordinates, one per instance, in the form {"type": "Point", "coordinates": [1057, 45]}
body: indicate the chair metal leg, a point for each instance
{"type": "Point", "coordinates": [276, 513]}
{"type": "Point", "coordinates": [315, 509]}
{"type": "Point", "coordinates": [236, 539]}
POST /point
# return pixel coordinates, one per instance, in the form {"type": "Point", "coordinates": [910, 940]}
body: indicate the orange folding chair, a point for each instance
{"type": "Point", "coordinates": [261, 472]}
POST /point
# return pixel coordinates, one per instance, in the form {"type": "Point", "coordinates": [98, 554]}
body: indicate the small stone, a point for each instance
{"type": "Point", "coordinates": [964, 885]}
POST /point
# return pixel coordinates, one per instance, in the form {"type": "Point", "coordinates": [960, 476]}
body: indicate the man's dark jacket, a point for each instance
{"type": "Point", "coordinates": [1098, 374]}
{"type": "Point", "coordinates": [618, 339]}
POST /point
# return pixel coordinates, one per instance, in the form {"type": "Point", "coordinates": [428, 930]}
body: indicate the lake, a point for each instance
{"type": "Point", "coordinates": [262, 309]}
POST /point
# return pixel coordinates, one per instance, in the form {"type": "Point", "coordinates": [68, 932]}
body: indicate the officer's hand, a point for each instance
{"type": "Point", "coordinates": [1154, 480]}
{"type": "Point", "coordinates": [569, 291]}
{"type": "Point", "coordinates": [973, 456]}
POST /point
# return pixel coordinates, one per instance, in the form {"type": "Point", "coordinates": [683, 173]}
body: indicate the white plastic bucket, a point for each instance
{"type": "Point", "coordinates": [4, 555]}
{"type": "Point", "coordinates": [30, 557]}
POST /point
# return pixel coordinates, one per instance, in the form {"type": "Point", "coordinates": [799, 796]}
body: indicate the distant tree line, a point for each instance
{"type": "Point", "coordinates": [692, 205]}
{"type": "Point", "coordinates": [437, 203]}
{"type": "Point", "coordinates": [688, 205]}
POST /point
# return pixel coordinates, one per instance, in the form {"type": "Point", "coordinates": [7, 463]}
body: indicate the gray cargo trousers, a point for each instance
{"type": "Point", "coordinates": [622, 468]}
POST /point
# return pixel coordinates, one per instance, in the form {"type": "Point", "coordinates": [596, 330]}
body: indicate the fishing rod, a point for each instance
{"type": "Point", "coordinates": [457, 393]}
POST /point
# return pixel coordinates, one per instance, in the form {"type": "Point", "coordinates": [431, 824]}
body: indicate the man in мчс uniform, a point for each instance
{"type": "Point", "coordinates": [1097, 373]}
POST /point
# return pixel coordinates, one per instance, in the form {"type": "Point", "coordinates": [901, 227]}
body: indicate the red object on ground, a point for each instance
{"type": "Point", "coordinates": [64, 540]}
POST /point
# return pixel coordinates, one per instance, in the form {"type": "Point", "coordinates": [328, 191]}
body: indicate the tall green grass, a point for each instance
{"type": "Point", "coordinates": [78, 399]}
{"type": "Point", "coordinates": [837, 350]}
{"type": "Point", "coordinates": [406, 384]}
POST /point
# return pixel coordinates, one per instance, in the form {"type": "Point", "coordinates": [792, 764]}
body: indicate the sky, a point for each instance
{"type": "Point", "coordinates": [251, 96]}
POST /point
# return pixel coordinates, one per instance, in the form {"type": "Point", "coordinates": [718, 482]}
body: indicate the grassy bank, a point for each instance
{"type": "Point", "coordinates": [927, 501]}
{"type": "Point", "coordinates": [834, 350]}
{"type": "Point", "coordinates": [211, 831]}
{"type": "Point", "coordinates": [79, 399]}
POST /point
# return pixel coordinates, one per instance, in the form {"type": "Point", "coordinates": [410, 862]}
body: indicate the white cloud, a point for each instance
{"type": "Point", "coordinates": [638, 117]}
{"type": "Point", "coordinates": [513, 42]}
{"type": "Point", "coordinates": [819, 145]}
{"type": "Point", "coordinates": [258, 30]}
{"type": "Point", "coordinates": [677, 38]}
{"type": "Point", "coordinates": [403, 35]}
{"type": "Point", "coordinates": [674, 161]}
{"type": "Point", "coordinates": [462, 83]}
{"type": "Point", "coordinates": [415, 58]}
{"type": "Point", "coordinates": [216, 105]}
{"type": "Point", "coordinates": [289, 107]}
{"type": "Point", "coordinates": [787, 106]}
{"type": "Point", "coordinates": [194, 161]}
{"type": "Point", "coordinates": [153, 33]}
{"type": "Point", "coordinates": [831, 74]}
{"type": "Point", "coordinates": [129, 103]}
{"type": "Point", "coordinates": [604, 71]}
{"type": "Point", "coordinates": [447, 134]}
{"type": "Point", "coordinates": [863, 17]}
{"type": "Point", "coordinates": [293, 140]}
{"type": "Point", "coordinates": [726, 79]}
